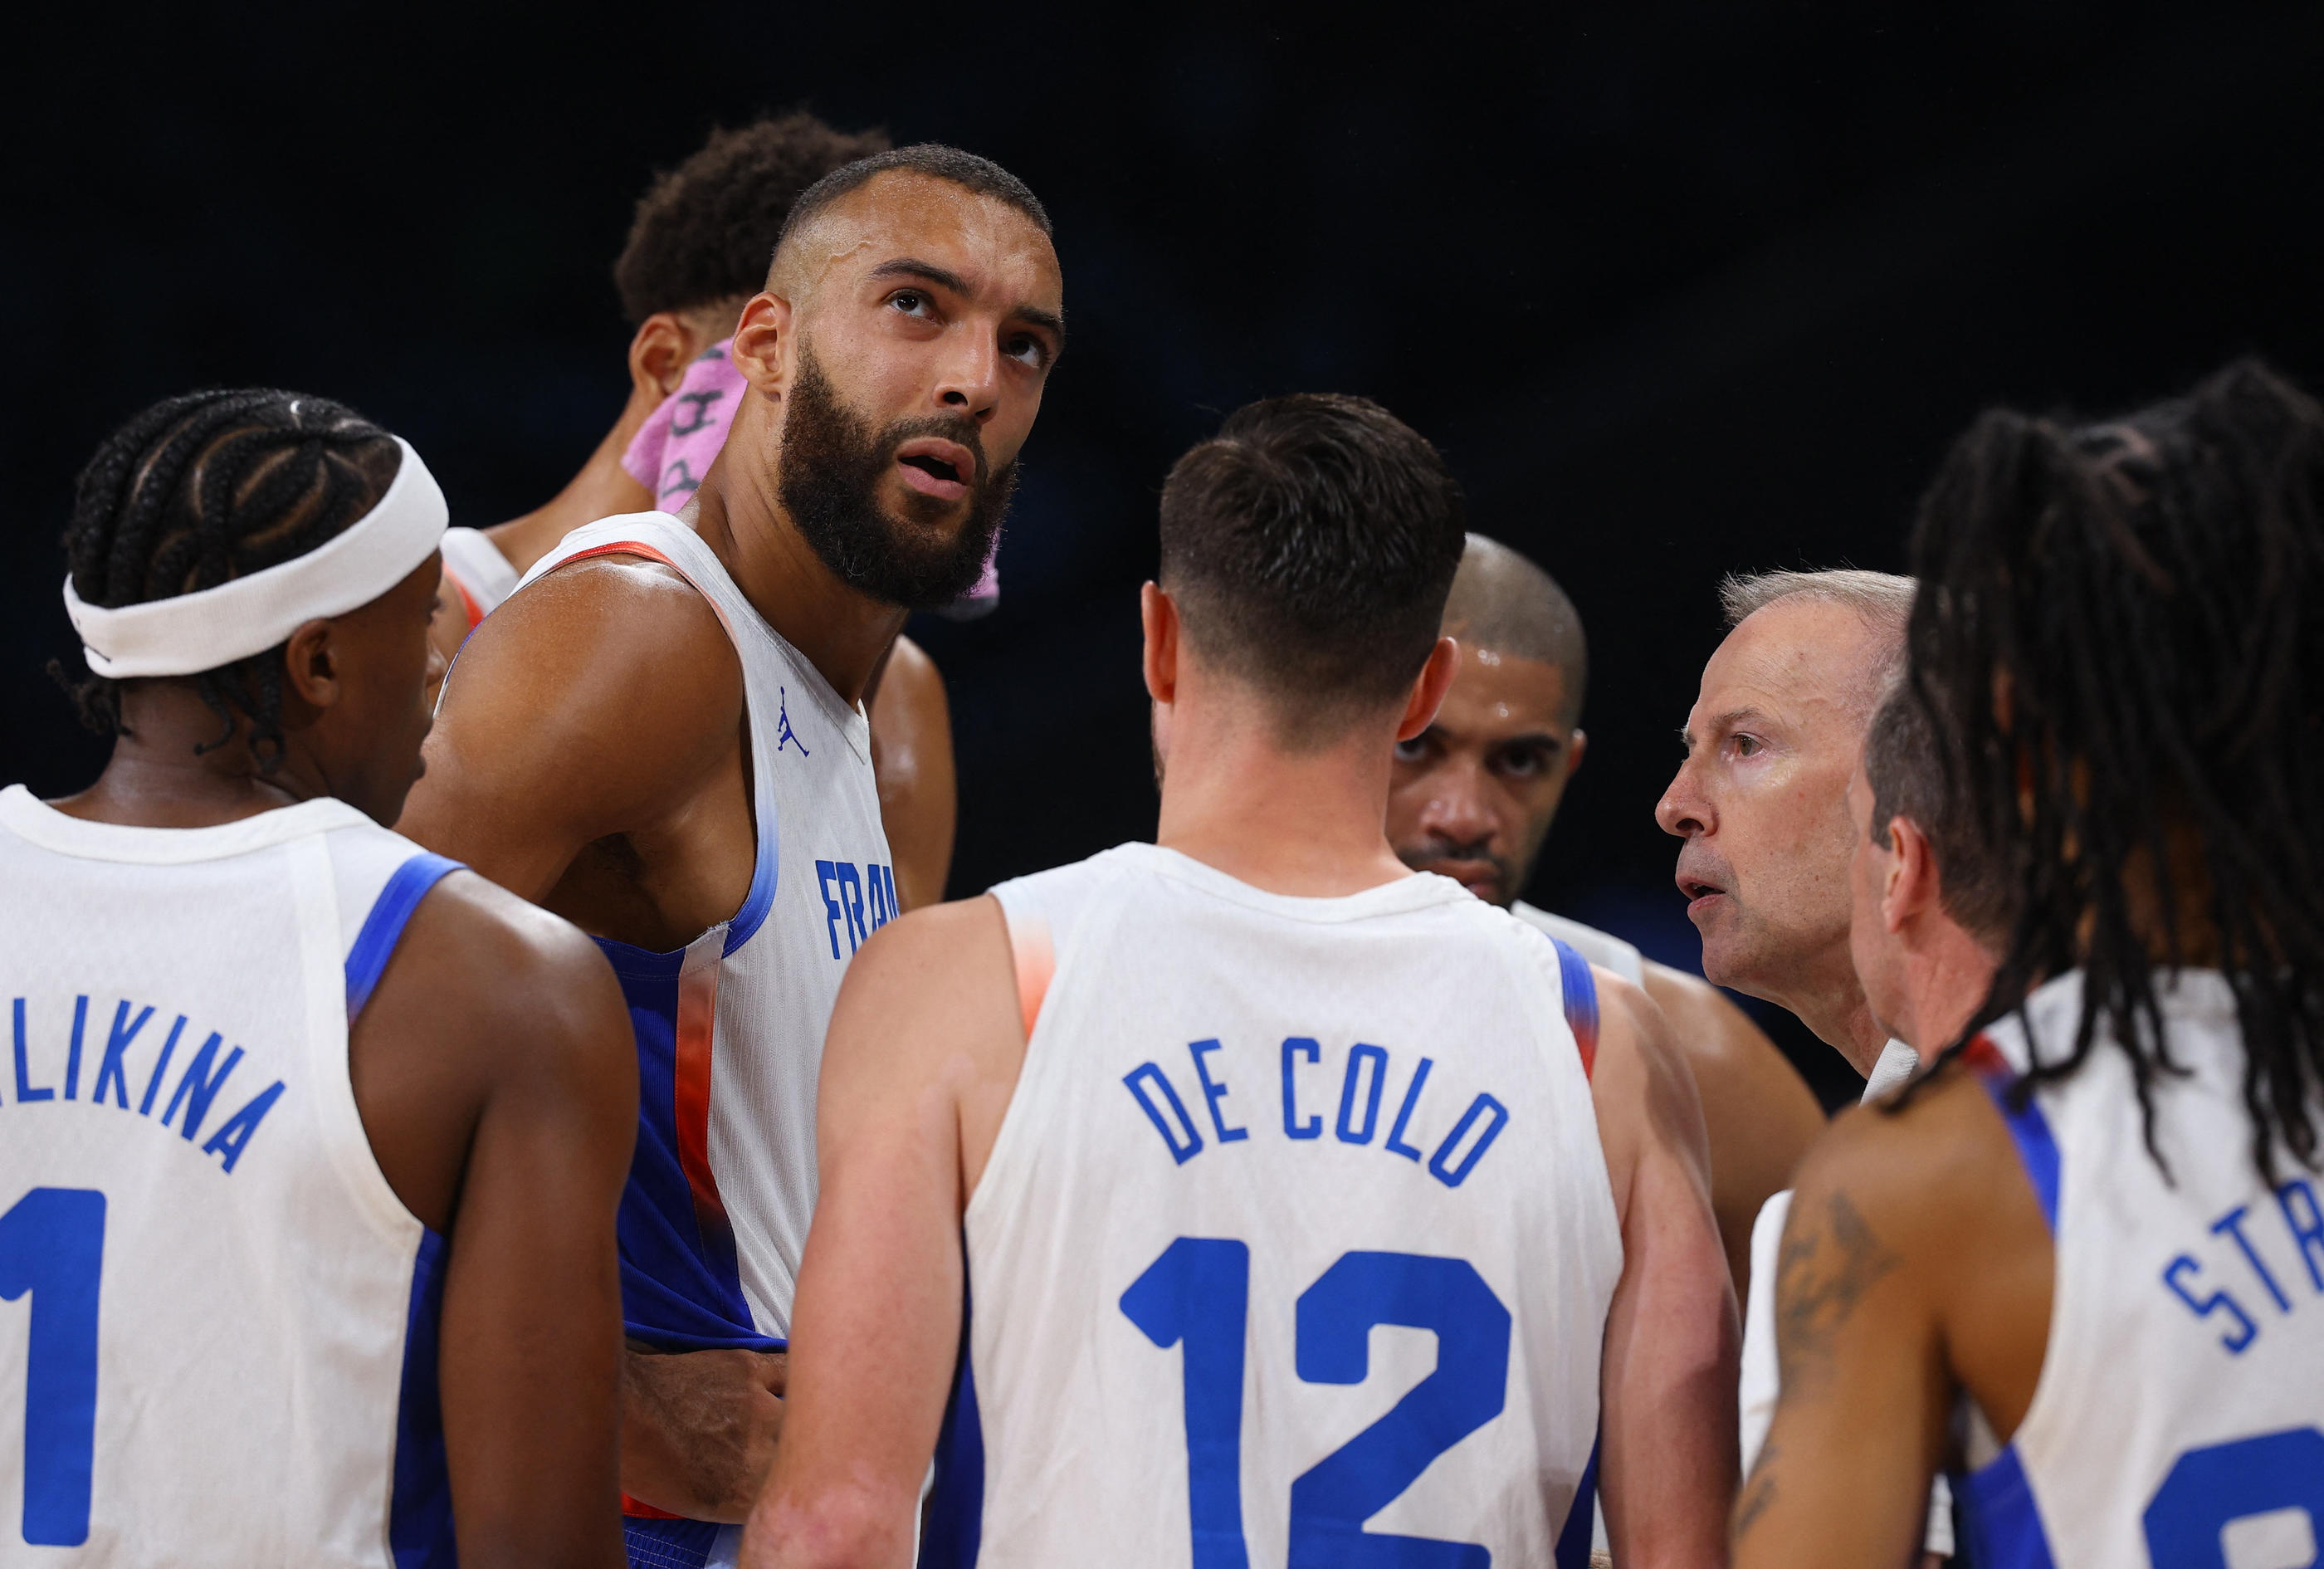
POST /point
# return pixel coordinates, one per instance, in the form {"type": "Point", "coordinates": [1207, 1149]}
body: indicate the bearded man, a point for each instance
{"type": "Point", "coordinates": [661, 736]}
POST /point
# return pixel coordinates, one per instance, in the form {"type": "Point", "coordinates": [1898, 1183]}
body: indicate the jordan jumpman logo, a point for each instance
{"type": "Point", "coordinates": [784, 735]}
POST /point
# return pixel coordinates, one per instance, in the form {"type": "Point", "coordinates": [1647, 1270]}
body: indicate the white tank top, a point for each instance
{"type": "Point", "coordinates": [479, 574]}
{"type": "Point", "coordinates": [217, 1322]}
{"type": "Point", "coordinates": [730, 1027]}
{"type": "Point", "coordinates": [1297, 1229]}
{"type": "Point", "coordinates": [2179, 1418]}
{"type": "Point", "coordinates": [1603, 949]}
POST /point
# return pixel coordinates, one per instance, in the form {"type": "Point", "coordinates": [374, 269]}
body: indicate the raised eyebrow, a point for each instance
{"type": "Point", "coordinates": [926, 272]}
{"type": "Point", "coordinates": [1049, 321]}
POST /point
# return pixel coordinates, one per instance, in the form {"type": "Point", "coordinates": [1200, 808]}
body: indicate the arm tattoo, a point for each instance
{"type": "Point", "coordinates": [1820, 1276]}
{"type": "Point", "coordinates": [1758, 1494]}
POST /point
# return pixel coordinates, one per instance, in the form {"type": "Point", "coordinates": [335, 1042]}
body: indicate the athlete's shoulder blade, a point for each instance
{"type": "Point", "coordinates": [1297, 1227]}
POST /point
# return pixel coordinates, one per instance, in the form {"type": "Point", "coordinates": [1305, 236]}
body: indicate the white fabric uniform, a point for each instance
{"type": "Point", "coordinates": [1259, 1148]}
{"type": "Point", "coordinates": [213, 1300]}
{"type": "Point", "coordinates": [1603, 949]}
{"type": "Point", "coordinates": [2179, 1418]}
{"type": "Point", "coordinates": [477, 568]}
{"type": "Point", "coordinates": [730, 1028]}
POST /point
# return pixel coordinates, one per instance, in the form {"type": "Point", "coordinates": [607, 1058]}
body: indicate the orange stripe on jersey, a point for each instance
{"type": "Point", "coordinates": [475, 612]}
{"type": "Point", "coordinates": [1036, 965]}
{"type": "Point", "coordinates": [697, 1015]}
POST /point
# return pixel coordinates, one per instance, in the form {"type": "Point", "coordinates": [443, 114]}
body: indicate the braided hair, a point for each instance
{"type": "Point", "coordinates": [206, 487]}
{"type": "Point", "coordinates": [2119, 644]}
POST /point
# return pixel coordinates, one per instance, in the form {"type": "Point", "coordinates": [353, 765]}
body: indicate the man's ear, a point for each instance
{"type": "Point", "coordinates": [659, 351]}
{"type": "Point", "coordinates": [1574, 747]}
{"type": "Point", "coordinates": [762, 347]}
{"type": "Point", "coordinates": [1912, 886]}
{"type": "Point", "coordinates": [1158, 614]}
{"type": "Point", "coordinates": [1428, 691]}
{"type": "Point", "coordinates": [310, 674]}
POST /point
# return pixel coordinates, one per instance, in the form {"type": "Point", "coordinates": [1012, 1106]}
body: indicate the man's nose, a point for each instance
{"type": "Point", "coordinates": [1685, 809]}
{"type": "Point", "coordinates": [1458, 808]}
{"type": "Point", "coordinates": [969, 382]}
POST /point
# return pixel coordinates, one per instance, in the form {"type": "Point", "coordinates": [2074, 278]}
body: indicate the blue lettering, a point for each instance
{"type": "Point", "coordinates": [1298, 1045]}
{"type": "Point", "coordinates": [826, 874]}
{"type": "Point", "coordinates": [1357, 1057]}
{"type": "Point", "coordinates": [234, 1132]}
{"type": "Point", "coordinates": [1454, 1177]}
{"type": "Point", "coordinates": [200, 1087]}
{"type": "Point", "coordinates": [884, 908]}
{"type": "Point", "coordinates": [2232, 1224]}
{"type": "Point", "coordinates": [153, 1084]}
{"type": "Point", "coordinates": [1214, 1092]}
{"type": "Point", "coordinates": [850, 889]}
{"type": "Point", "coordinates": [1403, 1112]}
{"type": "Point", "coordinates": [72, 1056]}
{"type": "Point", "coordinates": [2309, 1233]}
{"type": "Point", "coordinates": [2185, 1264]}
{"type": "Point", "coordinates": [24, 1090]}
{"type": "Point", "coordinates": [1180, 1153]}
{"type": "Point", "coordinates": [110, 1071]}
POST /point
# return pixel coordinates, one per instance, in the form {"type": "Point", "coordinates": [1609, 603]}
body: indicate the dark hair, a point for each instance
{"type": "Point", "coordinates": [206, 488]}
{"type": "Point", "coordinates": [966, 170]}
{"type": "Point", "coordinates": [1311, 544]}
{"type": "Point", "coordinates": [2120, 641]}
{"type": "Point", "coordinates": [706, 230]}
{"type": "Point", "coordinates": [1908, 780]}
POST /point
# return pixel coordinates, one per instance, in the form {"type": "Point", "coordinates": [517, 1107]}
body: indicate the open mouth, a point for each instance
{"type": "Point", "coordinates": [937, 468]}
{"type": "Point", "coordinates": [1699, 893]}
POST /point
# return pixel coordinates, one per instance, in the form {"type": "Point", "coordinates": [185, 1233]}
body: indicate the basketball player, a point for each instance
{"type": "Point", "coordinates": [2095, 1235]}
{"type": "Point", "coordinates": [661, 736]}
{"type": "Point", "coordinates": [696, 252]}
{"type": "Point", "coordinates": [313, 1140]}
{"type": "Point", "coordinates": [1256, 1093]}
{"type": "Point", "coordinates": [1472, 798]}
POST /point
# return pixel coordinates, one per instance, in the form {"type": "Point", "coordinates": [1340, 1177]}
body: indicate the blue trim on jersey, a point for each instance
{"type": "Point", "coordinates": [761, 898]}
{"type": "Point", "coordinates": [2028, 1130]}
{"type": "Point", "coordinates": [681, 1286]}
{"type": "Point", "coordinates": [953, 1531]}
{"type": "Point", "coordinates": [668, 1543]}
{"type": "Point", "coordinates": [420, 1507]}
{"type": "Point", "coordinates": [1572, 1551]}
{"type": "Point", "coordinates": [1581, 994]}
{"type": "Point", "coordinates": [406, 886]}
{"type": "Point", "coordinates": [2005, 1523]}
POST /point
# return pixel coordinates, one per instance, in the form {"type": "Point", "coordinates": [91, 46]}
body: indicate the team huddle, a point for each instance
{"type": "Point", "coordinates": [493, 1078]}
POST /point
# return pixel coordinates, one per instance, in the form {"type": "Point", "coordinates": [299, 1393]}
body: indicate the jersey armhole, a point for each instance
{"type": "Point", "coordinates": [2028, 1130]}
{"type": "Point", "coordinates": [1580, 988]}
{"type": "Point", "coordinates": [383, 926]}
{"type": "Point", "coordinates": [1034, 959]}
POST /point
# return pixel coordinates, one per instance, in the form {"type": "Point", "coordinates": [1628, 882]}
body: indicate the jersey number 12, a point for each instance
{"type": "Point", "coordinates": [1198, 1292]}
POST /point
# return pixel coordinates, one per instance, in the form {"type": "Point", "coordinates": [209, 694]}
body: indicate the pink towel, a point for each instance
{"type": "Point", "coordinates": [672, 451]}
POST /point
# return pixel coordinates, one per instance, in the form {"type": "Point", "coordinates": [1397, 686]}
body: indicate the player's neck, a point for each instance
{"type": "Point", "coordinates": [602, 489]}
{"type": "Point", "coordinates": [845, 634]}
{"type": "Point", "coordinates": [1310, 825]}
{"type": "Point", "coordinates": [1830, 1001]}
{"type": "Point", "coordinates": [157, 776]}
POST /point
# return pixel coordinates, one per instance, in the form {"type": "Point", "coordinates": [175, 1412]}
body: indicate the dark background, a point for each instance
{"type": "Point", "coordinates": [1678, 292]}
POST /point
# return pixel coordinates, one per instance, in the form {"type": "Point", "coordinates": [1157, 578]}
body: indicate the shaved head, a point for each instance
{"type": "Point", "coordinates": [1504, 603]}
{"type": "Point", "coordinates": [800, 255]}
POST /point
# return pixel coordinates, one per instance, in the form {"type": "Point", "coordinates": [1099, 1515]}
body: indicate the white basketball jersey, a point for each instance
{"type": "Point", "coordinates": [217, 1322]}
{"type": "Point", "coordinates": [477, 571]}
{"type": "Point", "coordinates": [2178, 1419]}
{"type": "Point", "coordinates": [1603, 949]}
{"type": "Point", "coordinates": [1297, 1238]}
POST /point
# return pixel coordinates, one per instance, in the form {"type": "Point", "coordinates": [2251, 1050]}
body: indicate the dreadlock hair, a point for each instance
{"type": "Point", "coordinates": [210, 486]}
{"type": "Point", "coordinates": [705, 231]}
{"type": "Point", "coordinates": [2119, 645]}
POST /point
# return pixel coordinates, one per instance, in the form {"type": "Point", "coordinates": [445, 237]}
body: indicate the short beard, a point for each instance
{"type": "Point", "coordinates": [828, 480]}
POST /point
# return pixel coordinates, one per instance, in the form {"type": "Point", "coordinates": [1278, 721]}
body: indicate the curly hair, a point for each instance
{"type": "Point", "coordinates": [705, 231]}
{"type": "Point", "coordinates": [209, 486]}
{"type": "Point", "coordinates": [2119, 646]}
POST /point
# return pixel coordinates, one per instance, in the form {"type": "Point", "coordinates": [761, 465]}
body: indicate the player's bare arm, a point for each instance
{"type": "Point", "coordinates": [925, 1047]}
{"type": "Point", "coordinates": [503, 1121]}
{"type": "Point", "coordinates": [1758, 1112]}
{"type": "Point", "coordinates": [911, 752]}
{"type": "Point", "coordinates": [1915, 1263]}
{"type": "Point", "coordinates": [1671, 1337]}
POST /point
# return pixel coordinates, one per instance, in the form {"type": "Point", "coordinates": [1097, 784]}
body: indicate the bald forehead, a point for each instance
{"type": "Point", "coordinates": [903, 212]}
{"type": "Point", "coordinates": [1812, 651]}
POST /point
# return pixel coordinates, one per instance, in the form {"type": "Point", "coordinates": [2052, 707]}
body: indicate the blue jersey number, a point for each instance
{"type": "Point", "coordinates": [52, 1245]}
{"type": "Point", "coordinates": [2210, 1488]}
{"type": "Point", "coordinates": [1198, 1292]}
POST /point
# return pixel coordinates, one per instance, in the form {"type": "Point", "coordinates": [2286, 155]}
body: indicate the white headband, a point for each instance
{"type": "Point", "coordinates": [190, 632]}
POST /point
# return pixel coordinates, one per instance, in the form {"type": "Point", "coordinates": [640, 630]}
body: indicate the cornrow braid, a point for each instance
{"type": "Point", "coordinates": [2119, 645]}
{"type": "Point", "coordinates": [206, 487]}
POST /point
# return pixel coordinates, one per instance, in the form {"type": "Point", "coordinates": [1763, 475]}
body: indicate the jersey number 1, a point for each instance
{"type": "Point", "coordinates": [52, 1245]}
{"type": "Point", "coordinates": [1198, 1292]}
